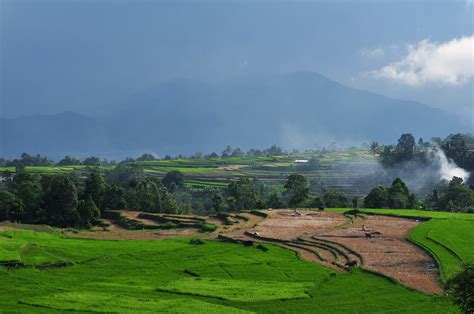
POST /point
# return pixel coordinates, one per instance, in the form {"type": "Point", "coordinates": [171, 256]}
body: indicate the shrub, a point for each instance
{"type": "Point", "coordinates": [196, 241]}
{"type": "Point", "coordinates": [461, 288]}
{"type": "Point", "coordinates": [207, 227]}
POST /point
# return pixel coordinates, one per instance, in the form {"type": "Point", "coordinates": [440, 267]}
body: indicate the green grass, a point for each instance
{"type": "Point", "coordinates": [449, 241]}
{"type": "Point", "coordinates": [410, 213]}
{"type": "Point", "coordinates": [420, 213]}
{"type": "Point", "coordinates": [239, 290]}
{"type": "Point", "coordinates": [175, 276]}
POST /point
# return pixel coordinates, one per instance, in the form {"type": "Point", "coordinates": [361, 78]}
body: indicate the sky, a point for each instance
{"type": "Point", "coordinates": [88, 55]}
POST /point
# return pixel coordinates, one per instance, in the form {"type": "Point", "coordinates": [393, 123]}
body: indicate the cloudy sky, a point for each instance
{"type": "Point", "coordinates": [87, 54]}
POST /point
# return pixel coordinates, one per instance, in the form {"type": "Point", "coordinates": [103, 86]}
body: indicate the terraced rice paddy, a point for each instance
{"type": "Point", "coordinates": [176, 276]}
{"type": "Point", "coordinates": [347, 171]}
{"type": "Point", "coordinates": [449, 241]}
{"type": "Point", "coordinates": [281, 262]}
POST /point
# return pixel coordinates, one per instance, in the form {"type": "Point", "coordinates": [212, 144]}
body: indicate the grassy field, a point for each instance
{"type": "Point", "coordinates": [449, 241]}
{"type": "Point", "coordinates": [62, 274]}
{"type": "Point", "coordinates": [413, 213]}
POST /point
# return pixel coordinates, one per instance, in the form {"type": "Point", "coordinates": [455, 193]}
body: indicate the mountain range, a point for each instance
{"type": "Point", "coordinates": [294, 110]}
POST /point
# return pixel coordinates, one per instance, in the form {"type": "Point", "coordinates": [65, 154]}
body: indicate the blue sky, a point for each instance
{"type": "Point", "coordinates": [85, 55]}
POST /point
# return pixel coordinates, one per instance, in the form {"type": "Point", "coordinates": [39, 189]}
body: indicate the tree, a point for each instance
{"type": "Point", "coordinates": [274, 151]}
{"type": "Point", "coordinates": [28, 189]}
{"type": "Point", "coordinates": [60, 202]}
{"type": "Point", "coordinates": [11, 207]}
{"type": "Point", "coordinates": [237, 153]}
{"type": "Point", "coordinates": [274, 201]}
{"type": "Point", "coordinates": [455, 148]}
{"type": "Point", "coordinates": [377, 198]}
{"type": "Point", "coordinates": [149, 194]}
{"type": "Point", "coordinates": [124, 173]}
{"type": "Point", "coordinates": [146, 157]}
{"type": "Point", "coordinates": [227, 152]}
{"type": "Point", "coordinates": [169, 204]}
{"type": "Point", "coordinates": [316, 202]}
{"type": "Point", "coordinates": [92, 161]}
{"type": "Point", "coordinates": [461, 288]}
{"type": "Point", "coordinates": [373, 147]}
{"type": "Point", "coordinates": [217, 203]}
{"type": "Point", "coordinates": [335, 199]}
{"type": "Point", "coordinates": [173, 181]}
{"type": "Point", "coordinates": [245, 194]}
{"type": "Point", "coordinates": [398, 194]}
{"type": "Point", "coordinates": [456, 197]}
{"type": "Point", "coordinates": [406, 147]}
{"type": "Point", "coordinates": [69, 161]}
{"type": "Point", "coordinates": [95, 188]}
{"type": "Point", "coordinates": [114, 198]}
{"type": "Point", "coordinates": [88, 211]}
{"type": "Point", "coordinates": [296, 189]}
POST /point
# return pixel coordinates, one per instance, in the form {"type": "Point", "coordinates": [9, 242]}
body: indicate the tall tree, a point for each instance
{"type": "Point", "coordinates": [406, 146]}
{"type": "Point", "coordinates": [398, 194]}
{"type": "Point", "coordinates": [88, 211]}
{"type": "Point", "coordinates": [28, 189]}
{"type": "Point", "coordinates": [11, 207]}
{"type": "Point", "coordinates": [245, 194]}
{"type": "Point", "coordinates": [377, 198]}
{"type": "Point", "coordinates": [373, 147]}
{"type": "Point", "coordinates": [296, 189]}
{"type": "Point", "coordinates": [173, 181]}
{"type": "Point", "coordinates": [61, 201]}
{"type": "Point", "coordinates": [94, 186]}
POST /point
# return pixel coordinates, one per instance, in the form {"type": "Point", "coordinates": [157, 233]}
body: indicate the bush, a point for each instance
{"type": "Point", "coordinates": [461, 288]}
{"type": "Point", "coordinates": [207, 227]}
{"type": "Point", "coordinates": [196, 241]}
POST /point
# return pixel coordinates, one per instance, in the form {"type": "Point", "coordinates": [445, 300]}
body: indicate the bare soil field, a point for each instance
{"type": "Point", "coordinates": [389, 253]}
{"type": "Point", "coordinates": [334, 242]}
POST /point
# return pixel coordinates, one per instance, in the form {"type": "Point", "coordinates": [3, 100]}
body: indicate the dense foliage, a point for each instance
{"type": "Point", "coordinates": [461, 287]}
{"type": "Point", "coordinates": [452, 196]}
{"type": "Point", "coordinates": [395, 196]}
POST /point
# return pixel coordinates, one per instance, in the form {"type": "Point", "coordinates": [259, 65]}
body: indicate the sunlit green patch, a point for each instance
{"type": "Point", "coordinates": [239, 290]}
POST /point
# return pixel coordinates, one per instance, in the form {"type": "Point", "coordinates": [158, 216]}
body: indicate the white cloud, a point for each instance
{"type": "Point", "coordinates": [469, 3]}
{"type": "Point", "coordinates": [449, 63]}
{"type": "Point", "coordinates": [373, 52]}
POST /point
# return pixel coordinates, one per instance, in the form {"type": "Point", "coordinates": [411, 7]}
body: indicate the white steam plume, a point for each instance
{"type": "Point", "coordinates": [449, 169]}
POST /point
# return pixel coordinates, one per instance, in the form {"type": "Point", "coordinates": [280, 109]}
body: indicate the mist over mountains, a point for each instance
{"type": "Point", "coordinates": [295, 110]}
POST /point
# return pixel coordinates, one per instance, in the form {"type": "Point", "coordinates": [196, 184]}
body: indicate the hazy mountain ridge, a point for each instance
{"type": "Point", "coordinates": [183, 116]}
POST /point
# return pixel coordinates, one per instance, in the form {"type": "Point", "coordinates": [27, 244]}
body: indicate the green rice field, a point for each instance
{"type": "Point", "coordinates": [49, 273]}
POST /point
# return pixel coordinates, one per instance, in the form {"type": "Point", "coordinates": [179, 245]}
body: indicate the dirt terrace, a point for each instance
{"type": "Point", "coordinates": [390, 253]}
{"type": "Point", "coordinates": [331, 236]}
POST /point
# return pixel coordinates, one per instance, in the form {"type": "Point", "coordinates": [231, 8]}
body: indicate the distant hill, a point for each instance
{"type": "Point", "coordinates": [52, 135]}
{"type": "Point", "coordinates": [295, 110]}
